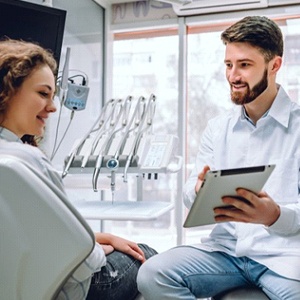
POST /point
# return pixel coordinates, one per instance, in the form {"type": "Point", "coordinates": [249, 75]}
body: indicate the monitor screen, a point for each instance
{"type": "Point", "coordinates": [33, 22]}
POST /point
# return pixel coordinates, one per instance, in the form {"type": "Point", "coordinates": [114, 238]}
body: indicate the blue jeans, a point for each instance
{"type": "Point", "coordinates": [188, 273]}
{"type": "Point", "coordinates": [117, 279]}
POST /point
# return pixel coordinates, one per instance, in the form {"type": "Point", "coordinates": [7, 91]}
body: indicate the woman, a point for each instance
{"type": "Point", "coordinates": [27, 88]}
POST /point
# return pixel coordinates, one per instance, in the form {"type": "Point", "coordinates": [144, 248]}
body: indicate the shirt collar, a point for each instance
{"type": "Point", "coordinates": [281, 108]}
{"type": "Point", "coordinates": [9, 135]}
{"type": "Point", "coordinates": [279, 111]}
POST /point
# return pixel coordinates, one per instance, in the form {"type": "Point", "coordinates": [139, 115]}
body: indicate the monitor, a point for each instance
{"type": "Point", "coordinates": [33, 22]}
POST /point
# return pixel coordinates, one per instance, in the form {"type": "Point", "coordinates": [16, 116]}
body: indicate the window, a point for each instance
{"type": "Point", "coordinates": [145, 64]}
{"type": "Point", "coordinates": [149, 64]}
{"type": "Point", "coordinates": [208, 90]}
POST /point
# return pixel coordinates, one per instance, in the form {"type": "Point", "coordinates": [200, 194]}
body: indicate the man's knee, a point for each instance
{"type": "Point", "coordinates": [146, 275]}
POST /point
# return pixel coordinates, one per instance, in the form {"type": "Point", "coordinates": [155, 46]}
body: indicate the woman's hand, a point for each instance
{"type": "Point", "coordinates": [107, 249]}
{"type": "Point", "coordinates": [111, 242]}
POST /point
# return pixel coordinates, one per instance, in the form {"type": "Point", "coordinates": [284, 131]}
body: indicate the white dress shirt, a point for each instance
{"type": "Point", "coordinates": [232, 141]}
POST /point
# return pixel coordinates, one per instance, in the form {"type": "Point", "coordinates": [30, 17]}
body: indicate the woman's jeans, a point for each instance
{"type": "Point", "coordinates": [117, 280]}
{"type": "Point", "coordinates": [188, 273]}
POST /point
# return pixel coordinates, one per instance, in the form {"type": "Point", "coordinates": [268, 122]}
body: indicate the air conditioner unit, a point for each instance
{"type": "Point", "coordinates": [198, 7]}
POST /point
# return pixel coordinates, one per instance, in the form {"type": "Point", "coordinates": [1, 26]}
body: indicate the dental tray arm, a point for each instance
{"type": "Point", "coordinates": [121, 141]}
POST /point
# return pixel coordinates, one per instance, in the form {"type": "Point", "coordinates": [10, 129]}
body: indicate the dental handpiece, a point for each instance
{"type": "Point", "coordinates": [112, 164]}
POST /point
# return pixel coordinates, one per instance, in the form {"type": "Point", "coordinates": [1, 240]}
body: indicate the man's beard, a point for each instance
{"type": "Point", "coordinates": [250, 95]}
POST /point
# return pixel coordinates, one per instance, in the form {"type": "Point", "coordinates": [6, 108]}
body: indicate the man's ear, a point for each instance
{"type": "Point", "coordinates": [275, 64]}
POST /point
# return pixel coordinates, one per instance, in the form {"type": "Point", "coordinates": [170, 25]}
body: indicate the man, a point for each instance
{"type": "Point", "coordinates": [258, 243]}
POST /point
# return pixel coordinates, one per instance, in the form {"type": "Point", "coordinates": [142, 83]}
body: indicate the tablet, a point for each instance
{"type": "Point", "coordinates": [217, 184]}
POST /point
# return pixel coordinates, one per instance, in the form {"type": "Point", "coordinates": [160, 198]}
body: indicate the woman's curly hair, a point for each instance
{"type": "Point", "coordinates": [18, 59]}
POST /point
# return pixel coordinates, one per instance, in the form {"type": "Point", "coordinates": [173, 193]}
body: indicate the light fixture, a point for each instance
{"type": "Point", "coordinates": [177, 2]}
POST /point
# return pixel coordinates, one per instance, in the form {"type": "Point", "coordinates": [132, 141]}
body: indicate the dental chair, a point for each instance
{"type": "Point", "coordinates": [43, 239]}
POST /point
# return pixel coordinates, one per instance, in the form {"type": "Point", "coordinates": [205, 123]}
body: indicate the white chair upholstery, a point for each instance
{"type": "Point", "coordinates": [42, 237]}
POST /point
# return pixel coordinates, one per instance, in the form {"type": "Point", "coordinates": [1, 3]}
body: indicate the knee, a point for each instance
{"type": "Point", "coordinates": [146, 276]}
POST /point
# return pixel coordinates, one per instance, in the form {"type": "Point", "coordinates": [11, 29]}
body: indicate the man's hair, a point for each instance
{"type": "Point", "coordinates": [18, 59]}
{"type": "Point", "coordinates": [260, 32]}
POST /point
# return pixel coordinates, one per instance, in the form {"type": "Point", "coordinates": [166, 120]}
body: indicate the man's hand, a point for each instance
{"type": "Point", "coordinates": [258, 209]}
{"type": "Point", "coordinates": [201, 178]}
